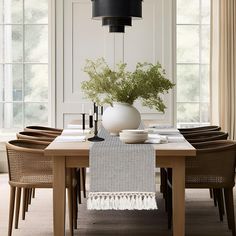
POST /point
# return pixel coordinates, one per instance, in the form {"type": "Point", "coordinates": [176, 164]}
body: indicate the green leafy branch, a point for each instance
{"type": "Point", "coordinates": [148, 82]}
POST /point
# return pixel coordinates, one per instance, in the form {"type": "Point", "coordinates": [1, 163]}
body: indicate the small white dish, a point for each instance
{"type": "Point", "coordinates": [133, 131]}
{"type": "Point", "coordinates": [130, 140]}
{"type": "Point", "coordinates": [133, 137]}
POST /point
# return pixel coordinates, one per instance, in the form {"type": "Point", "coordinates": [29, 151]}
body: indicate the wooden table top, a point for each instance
{"type": "Point", "coordinates": [82, 149]}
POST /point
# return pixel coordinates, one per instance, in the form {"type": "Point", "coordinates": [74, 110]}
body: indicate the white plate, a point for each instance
{"type": "Point", "coordinates": [134, 136]}
{"type": "Point", "coordinates": [130, 140]}
{"type": "Point", "coordinates": [163, 131]}
{"type": "Point", "coordinates": [134, 131]}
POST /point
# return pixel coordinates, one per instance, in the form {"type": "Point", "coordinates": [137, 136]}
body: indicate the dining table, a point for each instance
{"type": "Point", "coordinates": [76, 154]}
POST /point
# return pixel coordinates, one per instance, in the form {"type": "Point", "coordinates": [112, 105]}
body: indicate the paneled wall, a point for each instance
{"type": "Point", "coordinates": [79, 38]}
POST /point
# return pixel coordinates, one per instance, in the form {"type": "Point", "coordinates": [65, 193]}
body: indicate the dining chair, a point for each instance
{"type": "Point", "coordinates": [30, 193]}
{"type": "Point", "coordinates": [28, 169]}
{"type": "Point", "coordinates": [49, 137]}
{"type": "Point", "coordinates": [195, 135]}
{"type": "Point", "coordinates": [40, 136]}
{"type": "Point", "coordinates": [186, 131]}
{"type": "Point", "coordinates": [46, 129]}
{"type": "Point", "coordinates": [55, 131]}
{"type": "Point", "coordinates": [205, 136]}
{"type": "Point", "coordinates": [213, 167]}
{"type": "Point", "coordinates": [199, 129]}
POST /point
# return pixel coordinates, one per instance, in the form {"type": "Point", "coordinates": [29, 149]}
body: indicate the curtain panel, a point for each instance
{"type": "Point", "coordinates": [223, 64]}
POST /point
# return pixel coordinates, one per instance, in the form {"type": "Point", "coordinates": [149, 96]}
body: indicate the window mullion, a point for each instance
{"type": "Point", "coordinates": [200, 58]}
{"type": "Point", "coordinates": [23, 64]}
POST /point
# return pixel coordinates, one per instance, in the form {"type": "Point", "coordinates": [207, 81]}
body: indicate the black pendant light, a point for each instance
{"type": "Point", "coordinates": [116, 13]}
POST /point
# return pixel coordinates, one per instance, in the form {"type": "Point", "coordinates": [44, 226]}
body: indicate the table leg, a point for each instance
{"type": "Point", "coordinates": [178, 188]}
{"type": "Point", "coordinates": [59, 178]}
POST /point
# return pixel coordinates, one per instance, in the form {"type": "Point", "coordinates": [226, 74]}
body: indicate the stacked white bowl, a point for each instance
{"type": "Point", "coordinates": [133, 136]}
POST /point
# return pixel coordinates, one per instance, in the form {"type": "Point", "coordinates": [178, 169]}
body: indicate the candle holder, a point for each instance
{"type": "Point", "coordinates": [83, 121]}
{"type": "Point", "coordinates": [90, 121]}
{"type": "Point", "coordinates": [95, 138]}
{"type": "Point", "coordinates": [95, 108]}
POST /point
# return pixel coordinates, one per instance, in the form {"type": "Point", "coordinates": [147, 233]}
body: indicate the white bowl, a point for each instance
{"type": "Point", "coordinates": [133, 138]}
{"type": "Point", "coordinates": [134, 131]}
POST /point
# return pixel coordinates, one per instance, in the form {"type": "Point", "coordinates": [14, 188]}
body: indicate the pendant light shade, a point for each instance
{"type": "Point", "coordinates": [116, 13]}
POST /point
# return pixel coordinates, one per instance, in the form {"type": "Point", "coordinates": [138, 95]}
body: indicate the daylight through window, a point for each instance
{"type": "Point", "coordinates": [23, 63]}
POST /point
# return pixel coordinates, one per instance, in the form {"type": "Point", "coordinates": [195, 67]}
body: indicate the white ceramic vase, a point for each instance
{"type": "Point", "coordinates": [120, 116]}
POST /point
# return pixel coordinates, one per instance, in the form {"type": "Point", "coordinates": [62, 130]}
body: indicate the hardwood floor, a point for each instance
{"type": "Point", "coordinates": [201, 217]}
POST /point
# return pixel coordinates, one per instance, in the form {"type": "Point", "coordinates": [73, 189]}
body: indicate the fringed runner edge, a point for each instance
{"type": "Point", "coordinates": [121, 201]}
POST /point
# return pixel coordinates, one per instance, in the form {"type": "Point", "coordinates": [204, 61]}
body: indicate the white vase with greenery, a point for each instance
{"type": "Point", "coordinates": [106, 86]}
{"type": "Point", "coordinates": [120, 116]}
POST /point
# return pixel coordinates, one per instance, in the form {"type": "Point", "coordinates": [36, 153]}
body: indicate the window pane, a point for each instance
{"type": "Point", "coordinates": [187, 44]}
{"type": "Point", "coordinates": [36, 11]}
{"type": "Point", "coordinates": [17, 71]}
{"type": "Point", "coordinates": [1, 44]}
{"type": "Point", "coordinates": [36, 43]}
{"type": "Point", "coordinates": [205, 112]}
{"type": "Point", "coordinates": [205, 83]}
{"type": "Point", "coordinates": [188, 112]}
{"type": "Point", "coordinates": [36, 83]}
{"type": "Point", "coordinates": [188, 83]}
{"type": "Point", "coordinates": [17, 115]}
{"type": "Point", "coordinates": [36, 114]}
{"type": "Point", "coordinates": [187, 11]}
{"type": "Point", "coordinates": [11, 43]}
{"type": "Point", "coordinates": [12, 11]}
{"type": "Point", "coordinates": [1, 83]}
{"type": "Point", "coordinates": [11, 115]}
{"type": "Point", "coordinates": [205, 44]}
{"type": "Point", "coordinates": [205, 11]}
{"type": "Point", "coordinates": [1, 11]}
{"type": "Point", "coordinates": [13, 79]}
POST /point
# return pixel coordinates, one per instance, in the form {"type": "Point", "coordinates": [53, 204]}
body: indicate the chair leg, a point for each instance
{"type": "Point", "coordinates": [222, 200]}
{"type": "Point", "coordinates": [18, 198]}
{"type": "Point", "coordinates": [70, 202]}
{"type": "Point", "coordinates": [30, 196]}
{"type": "Point", "coordinates": [169, 197]}
{"type": "Point", "coordinates": [211, 192]}
{"type": "Point", "coordinates": [78, 185]}
{"type": "Point", "coordinates": [229, 203]}
{"type": "Point", "coordinates": [83, 171]}
{"type": "Point", "coordinates": [23, 203]}
{"type": "Point", "coordinates": [75, 200]}
{"type": "Point", "coordinates": [162, 180]}
{"type": "Point", "coordinates": [75, 207]}
{"type": "Point", "coordinates": [26, 200]}
{"type": "Point", "coordinates": [219, 198]}
{"type": "Point", "coordinates": [11, 209]}
{"type": "Point", "coordinates": [33, 193]}
{"type": "Point", "coordinates": [165, 186]}
{"type": "Point", "coordinates": [214, 197]}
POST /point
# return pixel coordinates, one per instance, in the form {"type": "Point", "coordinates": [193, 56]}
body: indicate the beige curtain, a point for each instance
{"type": "Point", "coordinates": [223, 63]}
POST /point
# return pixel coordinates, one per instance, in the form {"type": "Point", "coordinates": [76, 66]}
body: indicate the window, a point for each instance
{"type": "Point", "coordinates": [23, 63]}
{"type": "Point", "coordinates": [193, 59]}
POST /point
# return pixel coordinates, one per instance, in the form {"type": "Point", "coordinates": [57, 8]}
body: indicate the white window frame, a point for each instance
{"type": "Point", "coordinates": [191, 124]}
{"type": "Point", "coordinates": [50, 63]}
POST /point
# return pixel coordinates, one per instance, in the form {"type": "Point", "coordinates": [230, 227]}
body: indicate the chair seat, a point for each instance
{"type": "Point", "coordinates": [204, 181]}
{"type": "Point", "coordinates": [34, 179]}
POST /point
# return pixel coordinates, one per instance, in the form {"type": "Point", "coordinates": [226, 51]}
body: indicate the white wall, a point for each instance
{"type": "Point", "coordinates": [78, 38]}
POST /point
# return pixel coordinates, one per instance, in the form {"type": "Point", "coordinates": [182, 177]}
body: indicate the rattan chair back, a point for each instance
{"type": "Point", "coordinates": [214, 165]}
{"type": "Point", "coordinates": [27, 164]}
{"type": "Point", "coordinates": [200, 129]}
{"type": "Point", "coordinates": [206, 136]}
{"type": "Point", "coordinates": [38, 136]}
{"type": "Point", "coordinates": [43, 129]}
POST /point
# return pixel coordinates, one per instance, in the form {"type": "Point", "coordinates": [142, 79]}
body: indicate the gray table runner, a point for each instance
{"type": "Point", "coordinates": [122, 175]}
